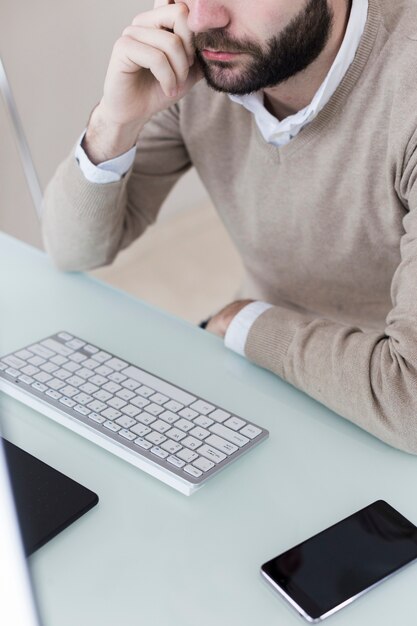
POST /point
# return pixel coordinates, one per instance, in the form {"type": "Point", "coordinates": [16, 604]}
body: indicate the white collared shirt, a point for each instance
{"type": "Point", "coordinates": [274, 131]}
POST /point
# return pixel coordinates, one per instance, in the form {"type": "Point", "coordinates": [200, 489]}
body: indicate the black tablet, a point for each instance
{"type": "Point", "coordinates": [46, 500]}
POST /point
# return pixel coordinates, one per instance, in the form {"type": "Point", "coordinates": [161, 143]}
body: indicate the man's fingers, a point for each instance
{"type": "Point", "coordinates": [170, 44]}
{"type": "Point", "coordinates": [171, 17]}
{"type": "Point", "coordinates": [141, 55]}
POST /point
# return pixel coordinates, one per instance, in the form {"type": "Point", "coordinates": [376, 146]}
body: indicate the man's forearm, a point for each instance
{"type": "Point", "coordinates": [105, 140]}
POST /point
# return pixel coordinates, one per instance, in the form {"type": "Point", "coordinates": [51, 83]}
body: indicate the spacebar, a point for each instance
{"type": "Point", "coordinates": [159, 385]}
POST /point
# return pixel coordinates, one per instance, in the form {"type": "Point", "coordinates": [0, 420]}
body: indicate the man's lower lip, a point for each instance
{"type": "Point", "coordinates": [220, 56]}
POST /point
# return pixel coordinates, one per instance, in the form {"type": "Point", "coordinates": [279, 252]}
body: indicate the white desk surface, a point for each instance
{"type": "Point", "coordinates": [149, 555]}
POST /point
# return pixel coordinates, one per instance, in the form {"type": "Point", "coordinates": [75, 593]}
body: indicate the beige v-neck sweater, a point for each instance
{"type": "Point", "coordinates": [326, 225]}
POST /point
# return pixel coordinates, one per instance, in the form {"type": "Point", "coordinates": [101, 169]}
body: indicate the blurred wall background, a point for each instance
{"type": "Point", "coordinates": [56, 54]}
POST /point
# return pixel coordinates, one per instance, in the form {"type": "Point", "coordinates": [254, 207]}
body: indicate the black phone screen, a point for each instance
{"type": "Point", "coordinates": [344, 560]}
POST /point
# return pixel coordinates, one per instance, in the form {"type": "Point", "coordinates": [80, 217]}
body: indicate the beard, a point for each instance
{"type": "Point", "coordinates": [286, 54]}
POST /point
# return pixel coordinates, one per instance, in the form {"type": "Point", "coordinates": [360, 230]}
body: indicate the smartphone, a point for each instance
{"type": "Point", "coordinates": [328, 571]}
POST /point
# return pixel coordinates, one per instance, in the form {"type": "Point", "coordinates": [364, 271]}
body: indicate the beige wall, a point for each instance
{"type": "Point", "coordinates": [56, 54]}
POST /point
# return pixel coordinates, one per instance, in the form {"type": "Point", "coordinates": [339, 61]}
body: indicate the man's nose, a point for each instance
{"type": "Point", "coordinates": [206, 14]}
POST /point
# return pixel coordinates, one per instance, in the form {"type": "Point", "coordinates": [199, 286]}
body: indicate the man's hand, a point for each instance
{"type": "Point", "coordinates": [219, 323]}
{"type": "Point", "coordinates": [152, 66]}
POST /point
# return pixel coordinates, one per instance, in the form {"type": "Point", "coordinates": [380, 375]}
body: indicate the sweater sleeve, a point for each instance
{"type": "Point", "coordinates": [85, 224]}
{"type": "Point", "coordinates": [368, 377]}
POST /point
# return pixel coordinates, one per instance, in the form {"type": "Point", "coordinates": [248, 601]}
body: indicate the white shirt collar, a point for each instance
{"type": "Point", "coordinates": [280, 133]}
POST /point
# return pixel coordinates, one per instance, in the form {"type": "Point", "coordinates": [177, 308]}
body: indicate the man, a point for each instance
{"type": "Point", "coordinates": [300, 117]}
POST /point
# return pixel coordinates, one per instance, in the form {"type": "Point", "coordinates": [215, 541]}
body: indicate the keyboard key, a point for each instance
{"type": "Point", "coordinates": [56, 347]}
{"type": "Point", "coordinates": [169, 417]}
{"type": "Point", "coordinates": [97, 406]}
{"type": "Point", "coordinates": [203, 421]}
{"type": "Point", "coordinates": [155, 438]}
{"type": "Point", "coordinates": [221, 444]}
{"type": "Point", "coordinates": [36, 360]}
{"type": "Point", "coordinates": [159, 398]}
{"type": "Point", "coordinates": [130, 410]}
{"type": "Point", "coordinates": [145, 391]}
{"type": "Point", "coordinates": [140, 402]}
{"type": "Point", "coordinates": [41, 351]}
{"type": "Point", "coordinates": [3, 366]}
{"type": "Point", "coordinates": [90, 363]}
{"type": "Point", "coordinates": [24, 354]}
{"type": "Point", "coordinates": [67, 402]}
{"type": "Point", "coordinates": [49, 367]}
{"type": "Point", "coordinates": [171, 446]}
{"type": "Point", "coordinates": [30, 370]}
{"type": "Point", "coordinates": [117, 364]}
{"type": "Point", "coordinates": [250, 431]}
{"type": "Point", "coordinates": [53, 394]}
{"type": "Point", "coordinates": [96, 417]}
{"type": "Point", "coordinates": [85, 373]}
{"type": "Point", "coordinates": [56, 384]}
{"type": "Point", "coordinates": [59, 360]}
{"type": "Point", "coordinates": [111, 414]}
{"type": "Point", "coordinates": [28, 380]}
{"type": "Point", "coordinates": [161, 426]}
{"type": "Point", "coordinates": [158, 385]}
{"type": "Point", "coordinates": [140, 430]}
{"type": "Point", "coordinates": [111, 426]}
{"type": "Point", "coordinates": [42, 377]}
{"type": "Point", "coordinates": [175, 434]}
{"type": "Point", "coordinates": [145, 418]}
{"type": "Point", "coordinates": [81, 409]}
{"type": "Point", "coordinates": [235, 423]}
{"type": "Point", "coordinates": [203, 464]}
{"type": "Point", "coordinates": [184, 424]}
{"type": "Point", "coordinates": [71, 366]}
{"type": "Point", "coordinates": [190, 469]}
{"type": "Point", "coordinates": [229, 435]}
{"type": "Point", "coordinates": [143, 443]}
{"type": "Point", "coordinates": [77, 357]}
{"type": "Point", "coordinates": [75, 344]}
{"type": "Point", "coordinates": [187, 455]}
{"type": "Point", "coordinates": [131, 384]}
{"type": "Point", "coordinates": [173, 406]}
{"type": "Point", "coordinates": [116, 403]}
{"type": "Point", "coordinates": [14, 361]}
{"type": "Point", "coordinates": [191, 442]}
{"type": "Point", "coordinates": [127, 434]}
{"type": "Point", "coordinates": [102, 395]}
{"type": "Point", "coordinates": [125, 394]}
{"type": "Point", "coordinates": [101, 356]}
{"type": "Point", "coordinates": [89, 388]}
{"type": "Point", "coordinates": [69, 391]}
{"type": "Point", "coordinates": [154, 409]}
{"type": "Point", "coordinates": [62, 374]}
{"type": "Point", "coordinates": [97, 380]}
{"type": "Point", "coordinates": [103, 370]}
{"type": "Point", "coordinates": [219, 415]}
{"type": "Point", "coordinates": [211, 453]}
{"type": "Point", "coordinates": [65, 336]}
{"type": "Point", "coordinates": [15, 373]}
{"type": "Point", "coordinates": [175, 461]}
{"type": "Point", "coordinates": [39, 386]}
{"type": "Point", "coordinates": [159, 452]}
{"type": "Point", "coordinates": [75, 381]}
{"type": "Point", "coordinates": [125, 421]}
{"type": "Point", "coordinates": [117, 377]}
{"type": "Point", "coordinates": [90, 349]}
{"type": "Point", "coordinates": [202, 407]}
{"type": "Point", "coordinates": [188, 413]}
{"type": "Point", "coordinates": [200, 433]}
{"type": "Point", "coordinates": [83, 398]}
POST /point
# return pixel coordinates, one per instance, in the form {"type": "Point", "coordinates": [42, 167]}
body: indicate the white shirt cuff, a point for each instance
{"type": "Point", "coordinates": [238, 330]}
{"type": "Point", "coordinates": [107, 172]}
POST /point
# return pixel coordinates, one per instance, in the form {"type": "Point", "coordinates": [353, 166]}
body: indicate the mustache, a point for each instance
{"type": "Point", "coordinates": [220, 40]}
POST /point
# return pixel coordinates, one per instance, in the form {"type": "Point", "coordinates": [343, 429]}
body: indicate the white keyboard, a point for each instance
{"type": "Point", "coordinates": [164, 430]}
